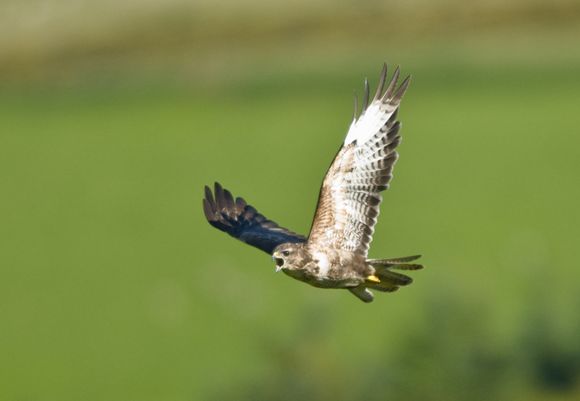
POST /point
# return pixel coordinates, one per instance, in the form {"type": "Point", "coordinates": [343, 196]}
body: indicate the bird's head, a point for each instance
{"type": "Point", "coordinates": [289, 256]}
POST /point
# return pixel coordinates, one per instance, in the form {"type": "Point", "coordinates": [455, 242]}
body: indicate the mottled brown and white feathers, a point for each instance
{"type": "Point", "coordinates": [335, 253]}
{"type": "Point", "coordinates": [349, 200]}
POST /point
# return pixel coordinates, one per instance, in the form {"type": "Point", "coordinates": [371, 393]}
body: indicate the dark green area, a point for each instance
{"type": "Point", "coordinates": [113, 286]}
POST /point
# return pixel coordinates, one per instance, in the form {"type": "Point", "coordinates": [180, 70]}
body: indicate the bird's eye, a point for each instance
{"type": "Point", "coordinates": [286, 253]}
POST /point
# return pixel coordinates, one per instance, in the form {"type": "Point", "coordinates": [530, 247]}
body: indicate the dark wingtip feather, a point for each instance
{"type": "Point", "coordinates": [219, 196]}
{"type": "Point", "coordinates": [381, 84]}
{"type": "Point", "coordinates": [240, 220]}
{"type": "Point", "coordinates": [402, 89]}
{"type": "Point", "coordinates": [391, 88]}
{"type": "Point", "coordinates": [208, 210]}
{"type": "Point", "coordinates": [229, 203]}
{"type": "Point", "coordinates": [366, 95]}
{"type": "Point", "coordinates": [208, 195]}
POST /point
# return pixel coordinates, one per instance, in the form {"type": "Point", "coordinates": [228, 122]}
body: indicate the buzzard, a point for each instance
{"type": "Point", "coordinates": [334, 255]}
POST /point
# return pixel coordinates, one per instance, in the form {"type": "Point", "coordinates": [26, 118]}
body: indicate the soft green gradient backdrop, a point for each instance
{"type": "Point", "coordinates": [113, 286]}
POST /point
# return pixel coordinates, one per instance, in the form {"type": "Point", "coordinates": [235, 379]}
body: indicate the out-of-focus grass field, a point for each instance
{"type": "Point", "coordinates": [113, 286]}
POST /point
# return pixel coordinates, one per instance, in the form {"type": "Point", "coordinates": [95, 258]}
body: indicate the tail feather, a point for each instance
{"type": "Point", "coordinates": [407, 266]}
{"type": "Point", "coordinates": [384, 278]}
{"type": "Point", "coordinates": [396, 263]}
{"type": "Point", "coordinates": [391, 277]}
{"type": "Point", "coordinates": [393, 261]}
{"type": "Point", "coordinates": [383, 287]}
{"type": "Point", "coordinates": [389, 280]}
{"type": "Point", "coordinates": [362, 293]}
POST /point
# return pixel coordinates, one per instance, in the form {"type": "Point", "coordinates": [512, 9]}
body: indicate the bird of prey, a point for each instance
{"type": "Point", "coordinates": [334, 255]}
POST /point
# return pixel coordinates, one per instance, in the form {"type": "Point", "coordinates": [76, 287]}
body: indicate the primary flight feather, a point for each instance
{"type": "Point", "coordinates": [335, 253]}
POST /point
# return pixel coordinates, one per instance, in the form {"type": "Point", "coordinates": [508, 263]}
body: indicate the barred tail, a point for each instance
{"type": "Point", "coordinates": [387, 280]}
{"type": "Point", "coordinates": [397, 263]}
{"type": "Point", "coordinates": [384, 278]}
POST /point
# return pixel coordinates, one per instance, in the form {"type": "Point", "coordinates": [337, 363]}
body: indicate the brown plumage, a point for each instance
{"type": "Point", "coordinates": [335, 253]}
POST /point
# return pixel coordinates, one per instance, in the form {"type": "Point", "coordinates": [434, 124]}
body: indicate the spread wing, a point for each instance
{"type": "Point", "coordinates": [348, 204]}
{"type": "Point", "coordinates": [243, 221]}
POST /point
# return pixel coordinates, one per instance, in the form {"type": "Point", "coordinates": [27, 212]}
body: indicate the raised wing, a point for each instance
{"type": "Point", "coordinates": [243, 222]}
{"type": "Point", "coordinates": [348, 204]}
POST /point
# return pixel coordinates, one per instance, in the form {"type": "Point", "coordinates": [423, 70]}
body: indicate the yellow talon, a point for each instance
{"type": "Point", "coordinates": [373, 279]}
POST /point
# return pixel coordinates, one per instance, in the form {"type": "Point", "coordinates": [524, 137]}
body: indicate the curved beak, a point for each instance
{"type": "Point", "coordinates": [279, 263]}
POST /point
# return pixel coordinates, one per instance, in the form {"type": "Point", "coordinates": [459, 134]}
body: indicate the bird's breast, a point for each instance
{"type": "Point", "coordinates": [326, 270]}
{"type": "Point", "coordinates": [322, 264]}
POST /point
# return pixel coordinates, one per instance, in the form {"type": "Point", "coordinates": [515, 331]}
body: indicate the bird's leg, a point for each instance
{"type": "Point", "coordinates": [362, 293]}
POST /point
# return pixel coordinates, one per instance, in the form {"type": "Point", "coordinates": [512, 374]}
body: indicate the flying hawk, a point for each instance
{"type": "Point", "coordinates": [334, 255]}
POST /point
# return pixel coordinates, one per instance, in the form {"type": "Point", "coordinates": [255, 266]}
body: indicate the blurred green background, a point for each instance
{"type": "Point", "coordinates": [114, 114]}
